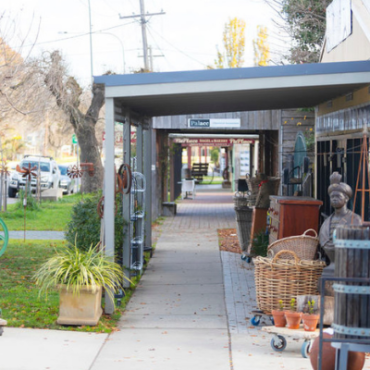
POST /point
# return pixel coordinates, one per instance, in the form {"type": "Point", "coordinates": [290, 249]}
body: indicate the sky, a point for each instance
{"type": "Point", "coordinates": [186, 37]}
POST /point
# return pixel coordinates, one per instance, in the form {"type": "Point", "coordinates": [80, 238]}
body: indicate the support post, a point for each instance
{"type": "Point", "coordinates": [139, 148]}
{"type": "Point", "coordinates": [126, 212]}
{"type": "Point", "coordinates": [148, 155]}
{"type": "Point", "coordinates": [172, 171]}
{"type": "Point", "coordinates": [109, 190]}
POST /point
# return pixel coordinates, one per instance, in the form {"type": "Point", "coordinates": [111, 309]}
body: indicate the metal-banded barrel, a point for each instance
{"type": "Point", "coordinates": [352, 299]}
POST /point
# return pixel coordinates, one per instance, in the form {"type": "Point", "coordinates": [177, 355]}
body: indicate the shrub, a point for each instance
{"type": "Point", "coordinates": [84, 227]}
{"type": "Point", "coordinates": [260, 244]}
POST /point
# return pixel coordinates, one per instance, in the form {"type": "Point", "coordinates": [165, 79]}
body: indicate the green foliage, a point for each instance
{"type": "Point", "coordinates": [311, 307]}
{"type": "Point", "coordinates": [306, 20]}
{"type": "Point", "coordinates": [76, 269]}
{"type": "Point", "coordinates": [260, 244]}
{"type": "Point", "coordinates": [310, 139]}
{"type": "Point", "coordinates": [281, 305]}
{"type": "Point", "coordinates": [292, 304]}
{"type": "Point", "coordinates": [32, 204]}
{"type": "Point", "coordinates": [214, 155]}
{"type": "Point", "coordinates": [84, 227]}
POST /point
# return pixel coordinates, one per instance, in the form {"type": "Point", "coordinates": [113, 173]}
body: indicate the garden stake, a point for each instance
{"type": "Point", "coordinates": [75, 172]}
{"type": "Point", "coordinates": [27, 173]}
{"type": "Point", "coordinates": [4, 173]}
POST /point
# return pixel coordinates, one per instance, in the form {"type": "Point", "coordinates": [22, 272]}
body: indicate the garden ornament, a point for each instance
{"type": "Point", "coordinates": [27, 172]}
{"type": "Point", "coordinates": [340, 193]}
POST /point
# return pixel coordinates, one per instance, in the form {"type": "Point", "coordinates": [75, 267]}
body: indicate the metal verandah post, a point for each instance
{"type": "Point", "coordinates": [126, 201]}
{"type": "Point", "coordinates": [109, 186]}
{"type": "Point", "coordinates": [148, 163]}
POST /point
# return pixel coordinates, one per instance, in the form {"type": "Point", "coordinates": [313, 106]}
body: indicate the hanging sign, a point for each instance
{"type": "Point", "coordinates": [214, 122]}
{"type": "Point", "coordinates": [186, 141]}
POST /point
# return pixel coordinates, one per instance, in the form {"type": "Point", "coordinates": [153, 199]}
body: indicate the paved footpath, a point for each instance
{"type": "Point", "coordinates": [191, 310]}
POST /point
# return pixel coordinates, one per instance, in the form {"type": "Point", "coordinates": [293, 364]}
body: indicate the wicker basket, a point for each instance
{"type": "Point", "coordinates": [304, 246]}
{"type": "Point", "coordinates": [284, 279]}
{"type": "Point", "coordinates": [240, 201]}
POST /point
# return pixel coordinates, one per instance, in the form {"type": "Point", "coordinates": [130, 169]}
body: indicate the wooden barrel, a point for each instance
{"type": "Point", "coordinates": [352, 300]}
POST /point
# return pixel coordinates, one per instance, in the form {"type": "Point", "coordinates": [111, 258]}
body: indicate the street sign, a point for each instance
{"type": "Point", "coordinates": [74, 139]}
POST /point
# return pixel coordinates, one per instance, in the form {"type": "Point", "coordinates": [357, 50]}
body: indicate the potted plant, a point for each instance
{"type": "Point", "coordinates": [293, 317]}
{"type": "Point", "coordinates": [79, 276]}
{"type": "Point", "coordinates": [279, 316]}
{"type": "Point", "coordinates": [310, 319]}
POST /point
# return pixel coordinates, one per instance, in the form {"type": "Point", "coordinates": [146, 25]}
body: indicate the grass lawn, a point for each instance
{"type": "Point", "coordinates": [52, 216]}
{"type": "Point", "coordinates": [216, 180]}
{"type": "Point", "coordinates": [19, 297]}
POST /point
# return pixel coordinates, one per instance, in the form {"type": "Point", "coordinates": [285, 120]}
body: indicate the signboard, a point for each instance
{"type": "Point", "coordinates": [74, 139]}
{"type": "Point", "coordinates": [186, 141]}
{"type": "Point", "coordinates": [214, 122]}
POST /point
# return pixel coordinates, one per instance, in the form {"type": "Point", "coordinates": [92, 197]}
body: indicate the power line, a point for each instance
{"type": "Point", "coordinates": [204, 65]}
{"type": "Point", "coordinates": [80, 35]}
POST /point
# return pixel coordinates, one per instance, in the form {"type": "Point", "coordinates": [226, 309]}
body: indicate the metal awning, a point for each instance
{"type": "Point", "coordinates": [236, 89]}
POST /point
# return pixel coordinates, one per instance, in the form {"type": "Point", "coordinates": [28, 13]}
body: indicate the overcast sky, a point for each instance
{"type": "Point", "coordinates": [184, 38]}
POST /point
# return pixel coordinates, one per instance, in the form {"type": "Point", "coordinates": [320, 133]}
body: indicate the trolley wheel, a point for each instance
{"type": "Point", "coordinates": [248, 259]}
{"type": "Point", "coordinates": [243, 257]}
{"type": "Point", "coordinates": [306, 349]}
{"type": "Point", "coordinates": [255, 320]}
{"type": "Point", "coordinates": [278, 343]}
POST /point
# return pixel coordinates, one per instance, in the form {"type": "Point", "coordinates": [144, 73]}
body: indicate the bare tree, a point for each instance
{"type": "Point", "coordinates": [68, 94]}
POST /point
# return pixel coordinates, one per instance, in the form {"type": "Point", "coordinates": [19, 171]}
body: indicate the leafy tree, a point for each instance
{"type": "Point", "coordinates": [234, 43]}
{"type": "Point", "coordinates": [214, 155]}
{"type": "Point", "coordinates": [261, 47]}
{"type": "Point", "coordinates": [305, 22]}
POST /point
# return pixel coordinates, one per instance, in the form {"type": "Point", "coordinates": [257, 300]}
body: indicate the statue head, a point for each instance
{"type": "Point", "coordinates": [339, 192]}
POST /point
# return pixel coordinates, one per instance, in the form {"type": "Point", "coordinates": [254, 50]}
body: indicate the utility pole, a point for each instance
{"type": "Point", "coordinates": [143, 33]}
{"type": "Point", "coordinates": [143, 22]}
{"type": "Point", "coordinates": [151, 56]}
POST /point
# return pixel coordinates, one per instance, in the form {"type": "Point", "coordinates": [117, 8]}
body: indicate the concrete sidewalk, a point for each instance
{"type": "Point", "coordinates": [191, 310]}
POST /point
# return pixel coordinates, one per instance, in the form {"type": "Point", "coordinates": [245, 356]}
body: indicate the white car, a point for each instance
{"type": "Point", "coordinates": [49, 174]}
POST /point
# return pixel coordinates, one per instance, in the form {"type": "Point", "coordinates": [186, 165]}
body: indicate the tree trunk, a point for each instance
{"type": "Point", "coordinates": [90, 153]}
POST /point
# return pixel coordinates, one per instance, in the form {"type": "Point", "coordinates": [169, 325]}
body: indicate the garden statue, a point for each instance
{"type": "Point", "coordinates": [339, 193]}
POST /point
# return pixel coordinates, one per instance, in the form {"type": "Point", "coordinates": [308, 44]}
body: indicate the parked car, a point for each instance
{"type": "Point", "coordinates": [66, 183]}
{"type": "Point", "coordinates": [47, 169]}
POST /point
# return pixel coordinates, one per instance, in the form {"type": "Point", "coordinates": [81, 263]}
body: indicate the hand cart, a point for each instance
{"type": "Point", "coordinates": [256, 319]}
{"type": "Point", "coordinates": [278, 342]}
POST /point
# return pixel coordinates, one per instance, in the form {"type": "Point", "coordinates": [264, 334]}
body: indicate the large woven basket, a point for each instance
{"type": "Point", "coordinates": [304, 246]}
{"type": "Point", "coordinates": [277, 278]}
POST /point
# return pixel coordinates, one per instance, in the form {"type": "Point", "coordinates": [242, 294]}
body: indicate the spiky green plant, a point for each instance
{"type": "Point", "coordinates": [75, 269]}
{"type": "Point", "coordinates": [311, 307]}
{"type": "Point", "coordinates": [292, 304]}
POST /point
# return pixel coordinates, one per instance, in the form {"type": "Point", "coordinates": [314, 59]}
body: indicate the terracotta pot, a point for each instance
{"type": "Point", "coordinates": [310, 321]}
{"type": "Point", "coordinates": [279, 318]}
{"type": "Point", "coordinates": [356, 360]}
{"type": "Point", "coordinates": [293, 319]}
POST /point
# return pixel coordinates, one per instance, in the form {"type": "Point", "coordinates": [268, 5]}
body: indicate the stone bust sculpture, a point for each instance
{"type": "Point", "coordinates": [339, 193]}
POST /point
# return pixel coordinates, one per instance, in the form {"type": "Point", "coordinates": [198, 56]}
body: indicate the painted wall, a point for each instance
{"type": "Point", "coordinates": [357, 45]}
